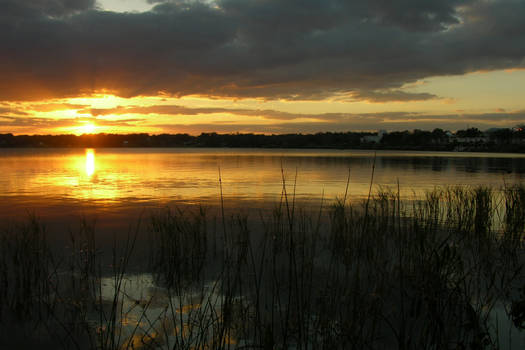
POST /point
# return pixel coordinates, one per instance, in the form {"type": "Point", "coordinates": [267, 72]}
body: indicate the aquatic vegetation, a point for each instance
{"type": "Point", "coordinates": [429, 273]}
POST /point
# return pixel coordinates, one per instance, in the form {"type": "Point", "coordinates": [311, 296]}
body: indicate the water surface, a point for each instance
{"type": "Point", "coordinates": [110, 182]}
{"type": "Point", "coordinates": [116, 186]}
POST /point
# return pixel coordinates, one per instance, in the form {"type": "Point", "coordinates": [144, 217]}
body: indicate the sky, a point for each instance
{"type": "Point", "coordinates": [262, 66]}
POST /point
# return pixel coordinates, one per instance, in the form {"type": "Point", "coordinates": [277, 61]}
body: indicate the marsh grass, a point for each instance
{"type": "Point", "coordinates": [383, 273]}
{"type": "Point", "coordinates": [27, 266]}
{"type": "Point", "coordinates": [27, 277]}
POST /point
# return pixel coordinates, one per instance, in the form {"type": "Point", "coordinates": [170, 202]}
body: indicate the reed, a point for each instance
{"type": "Point", "coordinates": [27, 279]}
{"type": "Point", "coordinates": [381, 273]}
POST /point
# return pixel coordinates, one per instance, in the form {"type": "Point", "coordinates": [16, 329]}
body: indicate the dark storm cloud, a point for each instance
{"type": "Point", "coordinates": [37, 8]}
{"type": "Point", "coordinates": [418, 15]}
{"type": "Point", "coordinates": [308, 49]}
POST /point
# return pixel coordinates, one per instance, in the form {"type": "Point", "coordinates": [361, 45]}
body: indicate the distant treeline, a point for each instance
{"type": "Point", "coordinates": [328, 140]}
{"type": "Point", "coordinates": [495, 140]}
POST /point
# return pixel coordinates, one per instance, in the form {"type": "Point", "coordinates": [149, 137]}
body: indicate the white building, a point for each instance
{"type": "Point", "coordinates": [374, 138]}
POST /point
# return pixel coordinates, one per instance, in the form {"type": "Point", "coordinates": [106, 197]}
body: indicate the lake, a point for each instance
{"type": "Point", "coordinates": [111, 183]}
{"type": "Point", "coordinates": [116, 187]}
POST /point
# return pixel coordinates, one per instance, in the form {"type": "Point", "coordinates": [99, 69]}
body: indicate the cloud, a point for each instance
{"type": "Point", "coordinates": [176, 110]}
{"type": "Point", "coordinates": [32, 122]}
{"type": "Point", "coordinates": [24, 109]}
{"type": "Point", "coordinates": [37, 8]}
{"type": "Point", "coordinates": [327, 120]}
{"type": "Point", "coordinates": [182, 110]}
{"type": "Point", "coordinates": [50, 107]}
{"type": "Point", "coordinates": [50, 123]}
{"type": "Point", "coordinates": [9, 110]}
{"type": "Point", "coordinates": [373, 121]}
{"type": "Point", "coordinates": [392, 96]}
{"type": "Point", "coordinates": [276, 121]}
{"type": "Point", "coordinates": [271, 49]}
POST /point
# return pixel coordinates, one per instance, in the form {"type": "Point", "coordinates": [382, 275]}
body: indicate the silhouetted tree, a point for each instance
{"type": "Point", "coordinates": [471, 132]}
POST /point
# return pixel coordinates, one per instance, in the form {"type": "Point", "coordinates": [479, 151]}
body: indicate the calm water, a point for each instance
{"type": "Point", "coordinates": [116, 186]}
{"type": "Point", "coordinates": [111, 182]}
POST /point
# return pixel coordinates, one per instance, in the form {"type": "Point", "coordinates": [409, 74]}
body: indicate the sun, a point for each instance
{"type": "Point", "coordinates": [88, 128]}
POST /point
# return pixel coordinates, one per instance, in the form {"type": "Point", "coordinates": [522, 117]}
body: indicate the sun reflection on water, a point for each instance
{"type": "Point", "coordinates": [112, 178]}
{"type": "Point", "coordinates": [90, 162]}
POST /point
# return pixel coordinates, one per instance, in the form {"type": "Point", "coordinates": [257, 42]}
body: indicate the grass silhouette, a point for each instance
{"type": "Point", "coordinates": [382, 273]}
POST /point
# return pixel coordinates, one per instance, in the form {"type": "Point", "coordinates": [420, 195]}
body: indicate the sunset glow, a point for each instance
{"type": "Point", "coordinates": [363, 67]}
{"type": "Point", "coordinates": [88, 128]}
{"type": "Point", "coordinates": [204, 174]}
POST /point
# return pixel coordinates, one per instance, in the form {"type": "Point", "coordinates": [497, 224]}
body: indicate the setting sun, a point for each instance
{"type": "Point", "coordinates": [88, 128]}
